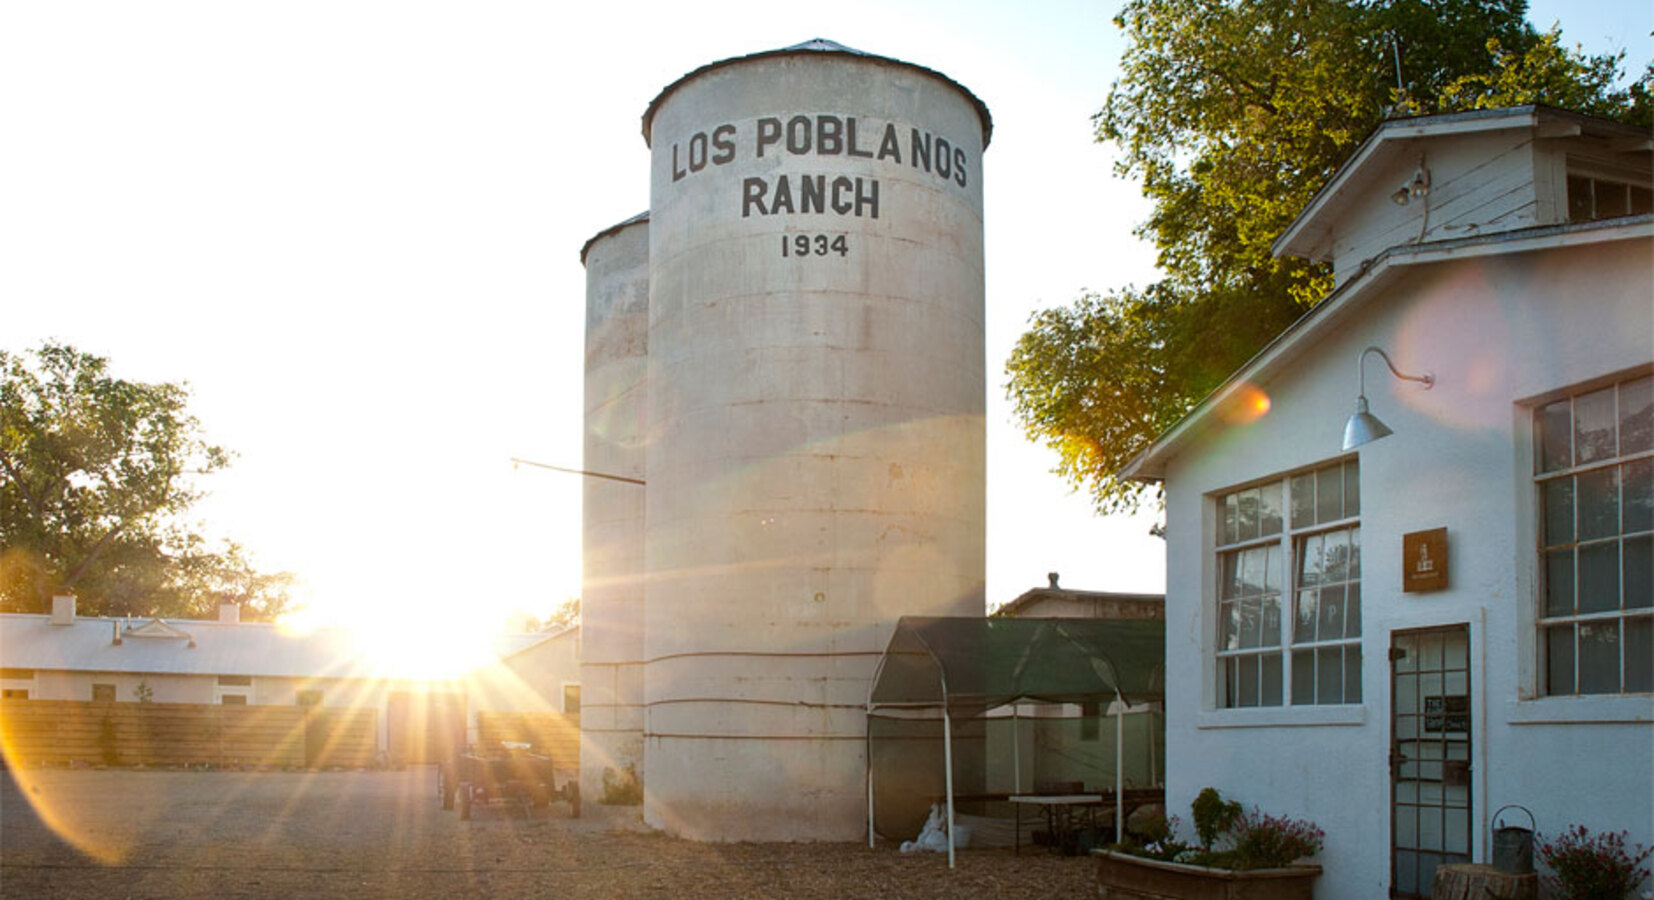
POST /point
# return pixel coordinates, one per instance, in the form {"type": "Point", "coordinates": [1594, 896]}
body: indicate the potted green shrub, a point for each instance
{"type": "Point", "coordinates": [1593, 866]}
{"type": "Point", "coordinates": [1240, 854]}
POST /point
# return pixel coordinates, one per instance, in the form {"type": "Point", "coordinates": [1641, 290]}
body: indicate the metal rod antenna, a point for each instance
{"type": "Point", "coordinates": [1395, 48]}
{"type": "Point", "coordinates": [529, 462]}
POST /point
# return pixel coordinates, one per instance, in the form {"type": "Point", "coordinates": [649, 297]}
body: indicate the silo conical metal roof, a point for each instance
{"type": "Point", "coordinates": [587, 246]}
{"type": "Point", "coordinates": [816, 45]}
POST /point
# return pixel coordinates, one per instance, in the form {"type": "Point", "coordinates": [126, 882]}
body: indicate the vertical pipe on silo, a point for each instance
{"type": "Point", "coordinates": [612, 533]}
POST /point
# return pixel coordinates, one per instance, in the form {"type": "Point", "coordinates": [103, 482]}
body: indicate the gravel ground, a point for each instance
{"type": "Point", "coordinates": [178, 835]}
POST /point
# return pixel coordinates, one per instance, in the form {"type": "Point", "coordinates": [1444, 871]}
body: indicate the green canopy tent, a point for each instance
{"type": "Point", "coordinates": [967, 666]}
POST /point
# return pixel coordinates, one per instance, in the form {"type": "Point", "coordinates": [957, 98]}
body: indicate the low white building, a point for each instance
{"type": "Point", "coordinates": [1396, 638]}
{"type": "Point", "coordinates": [66, 656]}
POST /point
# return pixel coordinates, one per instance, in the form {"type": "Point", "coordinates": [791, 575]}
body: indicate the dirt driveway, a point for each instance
{"type": "Point", "coordinates": [172, 835]}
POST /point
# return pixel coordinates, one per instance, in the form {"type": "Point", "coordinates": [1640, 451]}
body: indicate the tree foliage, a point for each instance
{"type": "Point", "coordinates": [1232, 114]}
{"type": "Point", "coordinates": [96, 476]}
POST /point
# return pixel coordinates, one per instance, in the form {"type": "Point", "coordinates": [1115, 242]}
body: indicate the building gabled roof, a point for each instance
{"type": "Point", "coordinates": [815, 45]}
{"type": "Point", "coordinates": [1033, 596]}
{"type": "Point", "coordinates": [1149, 466]}
{"type": "Point", "coordinates": [1310, 234]}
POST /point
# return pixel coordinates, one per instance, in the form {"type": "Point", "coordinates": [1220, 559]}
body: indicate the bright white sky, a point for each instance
{"type": "Point", "coordinates": [353, 228]}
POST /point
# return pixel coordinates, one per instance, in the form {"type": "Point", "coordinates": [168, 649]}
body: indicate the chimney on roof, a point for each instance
{"type": "Point", "coordinates": [1053, 577]}
{"type": "Point", "coordinates": [229, 612]}
{"type": "Point", "coordinates": [63, 609]}
{"type": "Point", "coordinates": [117, 639]}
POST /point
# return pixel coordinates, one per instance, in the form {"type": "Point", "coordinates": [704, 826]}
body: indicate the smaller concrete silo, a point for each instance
{"type": "Point", "coordinates": [617, 403]}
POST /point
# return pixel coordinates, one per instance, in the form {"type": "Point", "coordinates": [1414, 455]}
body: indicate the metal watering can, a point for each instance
{"type": "Point", "coordinates": [1513, 846]}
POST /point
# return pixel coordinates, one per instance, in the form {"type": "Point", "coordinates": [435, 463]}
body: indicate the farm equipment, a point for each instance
{"type": "Point", "coordinates": [509, 772]}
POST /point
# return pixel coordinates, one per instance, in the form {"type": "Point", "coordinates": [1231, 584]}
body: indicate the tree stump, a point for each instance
{"type": "Point", "coordinates": [1478, 882]}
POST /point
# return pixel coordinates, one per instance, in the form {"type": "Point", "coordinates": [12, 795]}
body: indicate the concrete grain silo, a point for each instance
{"type": "Point", "coordinates": [617, 403]}
{"type": "Point", "coordinates": [815, 453]}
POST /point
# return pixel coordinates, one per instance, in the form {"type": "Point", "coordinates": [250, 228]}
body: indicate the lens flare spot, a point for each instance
{"type": "Point", "coordinates": [1248, 404]}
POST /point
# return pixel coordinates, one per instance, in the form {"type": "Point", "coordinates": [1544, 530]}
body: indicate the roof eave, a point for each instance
{"type": "Point", "coordinates": [1149, 466]}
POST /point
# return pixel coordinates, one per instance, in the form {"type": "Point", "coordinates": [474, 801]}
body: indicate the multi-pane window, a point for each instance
{"type": "Point", "coordinates": [1297, 538]}
{"type": "Point", "coordinates": [1595, 460]}
{"type": "Point", "coordinates": [103, 693]}
{"type": "Point", "coordinates": [1602, 198]}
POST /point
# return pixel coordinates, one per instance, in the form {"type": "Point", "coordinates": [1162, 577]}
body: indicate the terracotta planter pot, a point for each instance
{"type": "Point", "coordinates": [1124, 877]}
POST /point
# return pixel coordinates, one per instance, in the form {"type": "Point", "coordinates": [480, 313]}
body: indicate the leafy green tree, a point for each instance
{"type": "Point", "coordinates": [1232, 114]}
{"type": "Point", "coordinates": [95, 479]}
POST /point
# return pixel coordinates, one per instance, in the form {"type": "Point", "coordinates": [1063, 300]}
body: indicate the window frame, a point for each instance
{"type": "Point", "coordinates": [1540, 619]}
{"type": "Point", "coordinates": [1290, 539]}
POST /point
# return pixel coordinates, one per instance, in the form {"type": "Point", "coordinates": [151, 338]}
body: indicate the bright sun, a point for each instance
{"type": "Point", "coordinates": [405, 646]}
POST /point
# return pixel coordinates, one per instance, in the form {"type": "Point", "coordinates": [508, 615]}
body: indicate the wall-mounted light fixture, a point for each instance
{"type": "Point", "coordinates": [1364, 427]}
{"type": "Point", "coordinates": [1417, 189]}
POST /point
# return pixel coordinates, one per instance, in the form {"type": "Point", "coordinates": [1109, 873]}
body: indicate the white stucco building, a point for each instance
{"type": "Point", "coordinates": [1510, 254]}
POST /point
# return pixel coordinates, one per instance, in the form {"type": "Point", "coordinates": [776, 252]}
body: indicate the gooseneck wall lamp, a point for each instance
{"type": "Point", "coordinates": [1364, 427]}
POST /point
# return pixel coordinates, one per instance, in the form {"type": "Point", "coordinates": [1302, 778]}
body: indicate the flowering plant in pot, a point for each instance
{"type": "Point", "coordinates": [1235, 850]}
{"type": "Point", "coordinates": [1591, 866]}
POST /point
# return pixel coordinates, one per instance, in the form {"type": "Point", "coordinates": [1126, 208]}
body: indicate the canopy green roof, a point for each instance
{"type": "Point", "coordinates": [973, 663]}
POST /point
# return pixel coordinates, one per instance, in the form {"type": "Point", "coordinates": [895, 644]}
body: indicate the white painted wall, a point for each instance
{"type": "Point", "coordinates": [1496, 333]}
{"type": "Point", "coordinates": [1479, 184]}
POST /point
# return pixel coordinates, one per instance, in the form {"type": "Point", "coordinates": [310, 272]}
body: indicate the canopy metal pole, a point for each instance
{"type": "Point", "coordinates": [1016, 748]}
{"type": "Point", "coordinates": [1154, 767]}
{"type": "Point", "coordinates": [870, 776]}
{"type": "Point", "coordinates": [947, 765]}
{"type": "Point", "coordinates": [1119, 766]}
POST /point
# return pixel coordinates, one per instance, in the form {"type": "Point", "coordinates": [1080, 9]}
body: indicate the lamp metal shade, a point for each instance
{"type": "Point", "coordinates": [1363, 427]}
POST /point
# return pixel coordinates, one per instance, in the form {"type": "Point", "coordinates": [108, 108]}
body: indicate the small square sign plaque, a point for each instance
{"type": "Point", "coordinates": [1424, 561]}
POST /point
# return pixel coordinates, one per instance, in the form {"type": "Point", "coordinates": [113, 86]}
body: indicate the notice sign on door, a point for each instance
{"type": "Point", "coordinates": [1424, 561]}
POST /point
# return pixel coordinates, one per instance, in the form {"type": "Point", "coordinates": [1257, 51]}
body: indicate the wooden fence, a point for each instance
{"type": "Point", "coordinates": [552, 734]}
{"type": "Point", "coordinates": [183, 734]}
